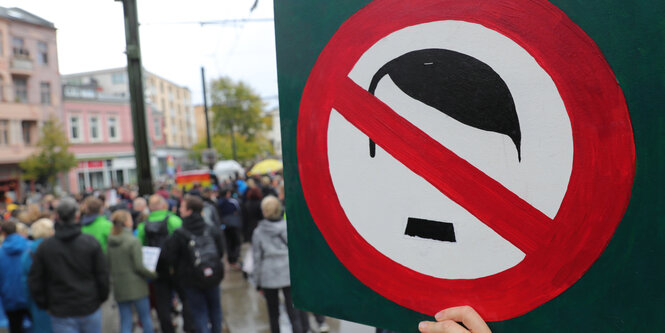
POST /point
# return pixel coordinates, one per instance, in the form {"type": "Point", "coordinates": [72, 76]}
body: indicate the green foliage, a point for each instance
{"type": "Point", "coordinates": [237, 111]}
{"type": "Point", "coordinates": [235, 106]}
{"type": "Point", "coordinates": [245, 149]}
{"type": "Point", "coordinates": [52, 157]}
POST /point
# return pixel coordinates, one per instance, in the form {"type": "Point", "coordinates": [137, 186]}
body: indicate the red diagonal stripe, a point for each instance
{"type": "Point", "coordinates": [502, 210]}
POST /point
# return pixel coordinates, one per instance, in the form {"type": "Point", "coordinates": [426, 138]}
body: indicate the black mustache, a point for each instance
{"type": "Point", "coordinates": [437, 230]}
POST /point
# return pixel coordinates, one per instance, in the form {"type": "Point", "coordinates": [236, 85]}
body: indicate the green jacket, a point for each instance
{"type": "Point", "coordinates": [128, 275]}
{"type": "Point", "coordinates": [173, 223]}
{"type": "Point", "coordinates": [97, 226]}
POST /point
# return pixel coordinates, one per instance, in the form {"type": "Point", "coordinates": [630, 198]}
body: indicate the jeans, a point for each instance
{"type": "Point", "coordinates": [91, 323]}
{"type": "Point", "coordinates": [142, 306]}
{"type": "Point", "coordinates": [206, 308]}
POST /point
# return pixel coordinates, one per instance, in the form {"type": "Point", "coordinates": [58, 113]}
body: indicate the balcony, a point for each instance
{"type": "Point", "coordinates": [21, 63]}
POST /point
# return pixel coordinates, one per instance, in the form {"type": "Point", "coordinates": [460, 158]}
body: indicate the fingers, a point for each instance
{"type": "Point", "coordinates": [466, 315]}
{"type": "Point", "coordinates": [446, 326]}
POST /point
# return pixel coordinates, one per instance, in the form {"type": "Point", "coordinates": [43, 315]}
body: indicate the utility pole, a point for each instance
{"type": "Point", "coordinates": [137, 101]}
{"type": "Point", "coordinates": [205, 112]}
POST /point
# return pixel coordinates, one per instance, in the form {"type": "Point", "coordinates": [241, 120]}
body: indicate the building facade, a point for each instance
{"type": "Point", "coordinates": [29, 88]}
{"type": "Point", "coordinates": [99, 128]}
{"type": "Point", "coordinates": [172, 101]}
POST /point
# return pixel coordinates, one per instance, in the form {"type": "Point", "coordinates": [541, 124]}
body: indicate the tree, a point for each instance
{"type": "Point", "coordinates": [246, 150]}
{"type": "Point", "coordinates": [238, 112]}
{"type": "Point", "coordinates": [52, 157]}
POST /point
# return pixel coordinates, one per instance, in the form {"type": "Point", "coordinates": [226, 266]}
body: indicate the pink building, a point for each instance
{"type": "Point", "coordinates": [101, 136]}
{"type": "Point", "coordinates": [29, 88]}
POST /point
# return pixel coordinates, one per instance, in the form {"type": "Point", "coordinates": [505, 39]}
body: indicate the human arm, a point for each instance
{"type": "Point", "coordinates": [37, 280]}
{"type": "Point", "coordinates": [257, 256]}
{"type": "Point", "coordinates": [140, 232]}
{"type": "Point", "coordinates": [220, 242]}
{"type": "Point", "coordinates": [101, 274]}
{"type": "Point", "coordinates": [447, 321]}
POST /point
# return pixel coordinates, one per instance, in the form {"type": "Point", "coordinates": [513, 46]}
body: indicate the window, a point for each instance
{"type": "Point", "coordinates": [27, 127]}
{"type": "Point", "coordinates": [45, 92]}
{"type": "Point", "coordinates": [17, 43]}
{"type": "Point", "coordinates": [75, 128]}
{"type": "Point", "coordinates": [157, 122]}
{"type": "Point", "coordinates": [113, 128]}
{"type": "Point", "coordinates": [21, 89]}
{"type": "Point", "coordinates": [42, 53]}
{"type": "Point", "coordinates": [4, 132]}
{"type": "Point", "coordinates": [18, 49]}
{"type": "Point", "coordinates": [119, 78]}
{"type": "Point", "coordinates": [94, 128]}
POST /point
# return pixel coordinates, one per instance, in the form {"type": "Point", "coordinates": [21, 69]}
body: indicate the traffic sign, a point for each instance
{"type": "Point", "coordinates": [209, 156]}
{"type": "Point", "coordinates": [522, 233]}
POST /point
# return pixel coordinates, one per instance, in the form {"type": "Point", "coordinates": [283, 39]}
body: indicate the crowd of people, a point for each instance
{"type": "Point", "coordinates": [62, 257]}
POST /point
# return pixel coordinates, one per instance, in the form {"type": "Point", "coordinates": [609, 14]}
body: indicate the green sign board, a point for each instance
{"type": "Point", "coordinates": [499, 154]}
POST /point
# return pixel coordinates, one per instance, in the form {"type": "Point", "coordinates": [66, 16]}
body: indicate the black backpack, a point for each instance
{"type": "Point", "coordinates": [205, 256]}
{"type": "Point", "coordinates": [157, 232]}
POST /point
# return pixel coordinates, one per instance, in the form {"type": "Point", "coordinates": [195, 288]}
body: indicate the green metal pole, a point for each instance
{"type": "Point", "coordinates": [137, 101]}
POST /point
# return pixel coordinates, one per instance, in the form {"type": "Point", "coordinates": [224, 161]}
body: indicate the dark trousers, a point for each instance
{"type": "Point", "coordinates": [16, 318]}
{"type": "Point", "coordinates": [233, 237]}
{"type": "Point", "coordinates": [163, 296]}
{"type": "Point", "coordinates": [272, 299]}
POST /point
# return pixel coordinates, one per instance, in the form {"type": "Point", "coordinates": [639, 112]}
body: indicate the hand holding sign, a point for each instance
{"type": "Point", "coordinates": [448, 319]}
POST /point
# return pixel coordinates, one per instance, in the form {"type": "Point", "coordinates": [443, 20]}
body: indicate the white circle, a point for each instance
{"type": "Point", "coordinates": [379, 194]}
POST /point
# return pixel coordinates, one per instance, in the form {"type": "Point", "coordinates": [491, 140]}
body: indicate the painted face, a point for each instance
{"type": "Point", "coordinates": [480, 95]}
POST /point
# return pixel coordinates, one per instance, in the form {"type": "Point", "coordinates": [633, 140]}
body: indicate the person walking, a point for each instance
{"type": "Point", "coordinates": [154, 232]}
{"type": "Point", "coordinates": [196, 251]}
{"type": "Point", "coordinates": [69, 276]}
{"type": "Point", "coordinates": [94, 222]}
{"type": "Point", "coordinates": [41, 229]}
{"type": "Point", "coordinates": [271, 263]}
{"type": "Point", "coordinates": [229, 211]}
{"type": "Point", "coordinates": [128, 273]}
{"type": "Point", "coordinates": [14, 298]}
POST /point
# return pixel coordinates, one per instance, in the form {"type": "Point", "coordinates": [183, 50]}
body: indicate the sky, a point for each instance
{"type": "Point", "coordinates": [91, 36]}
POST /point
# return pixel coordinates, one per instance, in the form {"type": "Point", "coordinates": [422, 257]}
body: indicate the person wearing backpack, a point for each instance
{"type": "Point", "coordinates": [154, 232]}
{"type": "Point", "coordinates": [196, 252]}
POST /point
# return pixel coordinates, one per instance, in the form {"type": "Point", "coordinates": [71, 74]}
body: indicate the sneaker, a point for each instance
{"type": "Point", "coordinates": [323, 328]}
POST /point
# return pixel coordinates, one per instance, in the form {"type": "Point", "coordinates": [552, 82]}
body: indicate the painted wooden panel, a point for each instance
{"type": "Point", "coordinates": [403, 200]}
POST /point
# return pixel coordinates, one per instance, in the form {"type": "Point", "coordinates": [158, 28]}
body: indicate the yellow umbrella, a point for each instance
{"type": "Point", "coordinates": [265, 166]}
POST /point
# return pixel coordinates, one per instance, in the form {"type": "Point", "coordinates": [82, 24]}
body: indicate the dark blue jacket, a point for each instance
{"type": "Point", "coordinates": [13, 296]}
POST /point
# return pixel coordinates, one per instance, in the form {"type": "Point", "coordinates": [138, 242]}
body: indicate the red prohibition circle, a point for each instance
{"type": "Point", "coordinates": [557, 252]}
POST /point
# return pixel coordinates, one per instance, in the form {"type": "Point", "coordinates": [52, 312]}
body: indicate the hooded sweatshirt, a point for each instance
{"type": "Point", "coordinates": [13, 296]}
{"type": "Point", "coordinates": [271, 255]}
{"type": "Point", "coordinates": [97, 226]}
{"type": "Point", "coordinates": [127, 271]}
{"type": "Point", "coordinates": [69, 275]}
